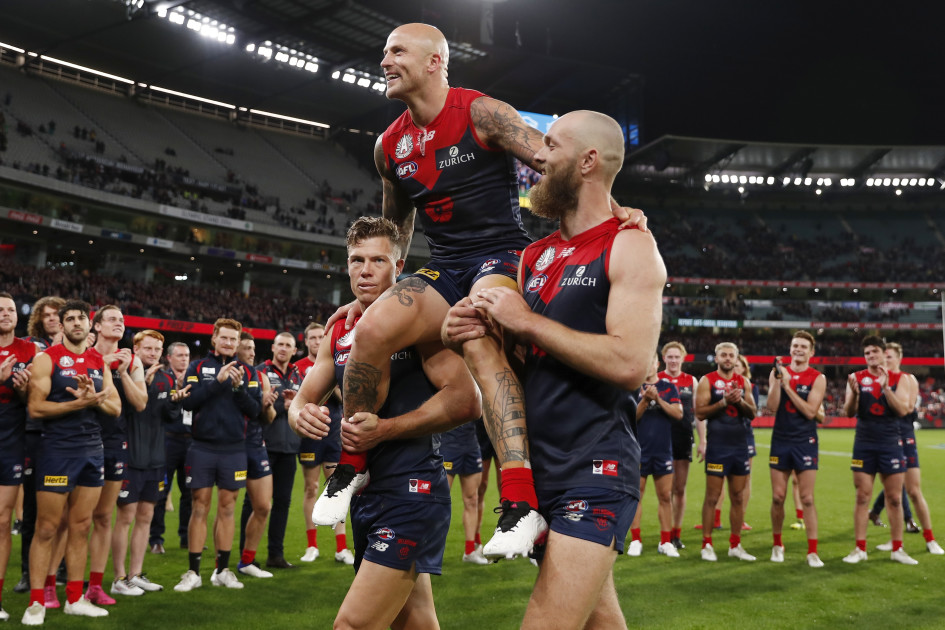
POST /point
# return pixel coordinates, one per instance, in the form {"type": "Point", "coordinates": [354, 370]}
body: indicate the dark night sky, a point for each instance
{"type": "Point", "coordinates": [768, 70]}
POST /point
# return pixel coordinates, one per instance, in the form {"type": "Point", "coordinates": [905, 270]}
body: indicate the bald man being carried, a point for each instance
{"type": "Point", "coordinates": [447, 160]}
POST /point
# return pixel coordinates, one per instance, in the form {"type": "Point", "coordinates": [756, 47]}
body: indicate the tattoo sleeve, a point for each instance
{"type": "Point", "coordinates": [361, 383]}
{"type": "Point", "coordinates": [499, 125]}
{"type": "Point", "coordinates": [504, 416]}
{"type": "Point", "coordinates": [395, 204]}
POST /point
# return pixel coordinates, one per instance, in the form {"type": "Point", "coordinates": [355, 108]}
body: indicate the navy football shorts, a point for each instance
{"type": "Point", "coordinates": [141, 484]}
{"type": "Point", "coordinates": [872, 458]}
{"type": "Point", "coordinates": [257, 462]}
{"type": "Point", "coordinates": [455, 283]}
{"type": "Point", "coordinates": [115, 461]}
{"type": "Point", "coordinates": [911, 451]}
{"type": "Point", "coordinates": [722, 461]}
{"type": "Point", "coordinates": [468, 463]}
{"type": "Point", "coordinates": [656, 465]}
{"type": "Point", "coordinates": [314, 453]}
{"type": "Point", "coordinates": [206, 468]}
{"type": "Point", "coordinates": [682, 441]}
{"type": "Point", "coordinates": [399, 534]}
{"type": "Point", "coordinates": [799, 456]}
{"type": "Point", "coordinates": [58, 473]}
{"type": "Point", "coordinates": [11, 470]}
{"type": "Point", "coordinates": [597, 515]}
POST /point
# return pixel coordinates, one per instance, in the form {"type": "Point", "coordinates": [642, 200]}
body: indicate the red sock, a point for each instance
{"type": "Point", "coordinates": [478, 539]}
{"type": "Point", "coordinates": [312, 535]}
{"type": "Point", "coordinates": [518, 484]}
{"type": "Point", "coordinates": [811, 545]}
{"type": "Point", "coordinates": [677, 532]}
{"type": "Point", "coordinates": [664, 537]}
{"type": "Point", "coordinates": [50, 580]}
{"type": "Point", "coordinates": [718, 518]}
{"type": "Point", "coordinates": [861, 545]}
{"type": "Point", "coordinates": [897, 545]}
{"type": "Point", "coordinates": [341, 542]}
{"type": "Point", "coordinates": [95, 579]}
{"type": "Point", "coordinates": [358, 460]}
{"type": "Point", "coordinates": [734, 540]}
{"type": "Point", "coordinates": [470, 546]}
{"type": "Point", "coordinates": [800, 514]}
{"type": "Point", "coordinates": [635, 534]}
{"type": "Point", "coordinates": [777, 540]}
{"type": "Point", "coordinates": [37, 595]}
{"type": "Point", "coordinates": [706, 540]}
{"type": "Point", "coordinates": [74, 590]}
{"type": "Point", "coordinates": [247, 556]}
{"type": "Point", "coordinates": [927, 534]}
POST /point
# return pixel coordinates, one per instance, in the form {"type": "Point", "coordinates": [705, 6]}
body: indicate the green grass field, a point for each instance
{"type": "Point", "coordinates": [656, 592]}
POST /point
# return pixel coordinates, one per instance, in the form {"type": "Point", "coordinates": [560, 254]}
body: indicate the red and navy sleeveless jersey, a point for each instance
{"type": "Point", "coordinates": [686, 385]}
{"type": "Point", "coordinates": [79, 431]}
{"type": "Point", "coordinates": [42, 343]}
{"type": "Point", "coordinates": [875, 420]}
{"type": "Point", "coordinates": [578, 427]}
{"type": "Point", "coordinates": [303, 366]}
{"type": "Point", "coordinates": [654, 427]}
{"type": "Point", "coordinates": [410, 468]}
{"type": "Point", "coordinates": [465, 192]}
{"type": "Point", "coordinates": [115, 430]}
{"type": "Point", "coordinates": [789, 424]}
{"type": "Point", "coordinates": [727, 426]}
{"type": "Point", "coordinates": [12, 408]}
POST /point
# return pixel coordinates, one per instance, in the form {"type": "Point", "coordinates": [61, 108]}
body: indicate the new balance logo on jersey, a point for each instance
{"type": "Point", "coordinates": [419, 486]}
{"type": "Point", "coordinates": [604, 467]}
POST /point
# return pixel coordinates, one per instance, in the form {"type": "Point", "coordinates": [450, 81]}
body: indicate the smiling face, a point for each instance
{"type": "Point", "coordinates": [246, 351]}
{"type": "Point", "coordinates": [673, 358]}
{"type": "Point", "coordinates": [149, 350]}
{"type": "Point", "coordinates": [110, 324]}
{"type": "Point", "coordinates": [414, 55]}
{"type": "Point", "coordinates": [224, 341]}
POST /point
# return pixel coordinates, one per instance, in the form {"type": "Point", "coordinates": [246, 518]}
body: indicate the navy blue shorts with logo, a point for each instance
{"type": "Point", "coordinates": [206, 468]}
{"type": "Point", "coordinates": [872, 458]}
{"type": "Point", "coordinates": [656, 465]}
{"type": "Point", "coordinates": [141, 484]}
{"type": "Point", "coordinates": [468, 463]}
{"type": "Point", "coordinates": [455, 283]}
{"type": "Point", "coordinates": [682, 441]}
{"type": "Point", "coordinates": [314, 453]}
{"type": "Point", "coordinates": [63, 472]}
{"type": "Point", "coordinates": [597, 515]}
{"type": "Point", "coordinates": [751, 444]}
{"type": "Point", "coordinates": [722, 461]}
{"type": "Point", "coordinates": [799, 456]}
{"type": "Point", "coordinates": [116, 459]}
{"type": "Point", "coordinates": [486, 450]}
{"type": "Point", "coordinates": [399, 534]}
{"type": "Point", "coordinates": [11, 470]}
{"type": "Point", "coordinates": [910, 451]}
{"type": "Point", "coordinates": [257, 462]}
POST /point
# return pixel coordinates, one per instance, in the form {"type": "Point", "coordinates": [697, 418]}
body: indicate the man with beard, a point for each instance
{"type": "Point", "coordinates": [581, 353]}
{"type": "Point", "coordinates": [15, 358]}
{"type": "Point", "coordinates": [448, 160]}
{"type": "Point", "coordinates": [401, 519]}
{"type": "Point", "coordinates": [177, 440]}
{"type": "Point", "coordinates": [69, 385]}
{"type": "Point", "coordinates": [721, 400]}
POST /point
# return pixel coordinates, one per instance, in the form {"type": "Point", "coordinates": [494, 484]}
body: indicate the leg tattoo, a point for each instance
{"type": "Point", "coordinates": [505, 418]}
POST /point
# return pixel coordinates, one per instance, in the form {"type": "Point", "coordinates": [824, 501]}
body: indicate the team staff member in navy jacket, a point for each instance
{"type": "Point", "coordinates": [223, 390]}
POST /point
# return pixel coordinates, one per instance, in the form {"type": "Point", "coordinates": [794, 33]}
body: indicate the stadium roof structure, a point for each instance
{"type": "Point", "coordinates": [261, 54]}
{"type": "Point", "coordinates": [700, 162]}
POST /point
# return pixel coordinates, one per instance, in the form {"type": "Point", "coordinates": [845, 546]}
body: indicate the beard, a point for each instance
{"type": "Point", "coordinates": [555, 195]}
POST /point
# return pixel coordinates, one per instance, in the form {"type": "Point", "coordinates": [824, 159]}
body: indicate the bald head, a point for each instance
{"type": "Point", "coordinates": [428, 40]}
{"type": "Point", "coordinates": [593, 130]}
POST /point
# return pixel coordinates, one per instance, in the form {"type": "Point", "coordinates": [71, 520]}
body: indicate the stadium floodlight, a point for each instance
{"type": "Point", "coordinates": [708, 177]}
{"type": "Point", "coordinates": [869, 182]}
{"type": "Point", "coordinates": [921, 181]}
{"type": "Point", "coordinates": [364, 82]}
{"type": "Point", "coordinates": [311, 66]}
{"type": "Point", "coordinates": [808, 181]}
{"type": "Point", "coordinates": [380, 87]}
{"type": "Point", "coordinates": [741, 189]}
{"type": "Point", "coordinates": [828, 181]}
{"type": "Point", "coordinates": [797, 181]}
{"type": "Point", "coordinates": [265, 52]}
{"type": "Point", "coordinates": [349, 78]}
{"type": "Point", "coordinates": [752, 180]}
{"type": "Point", "coordinates": [742, 180]}
{"type": "Point", "coordinates": [716, 179]}
{"type": "Point", "coordinates": [250, 48]}
{"type": "Point", "coordinates": [898, 192]}
{"type": "Point", "coordinates": [283, 57]}
{"type": "Point", "coordinates": [895, 181]}
{"type": "Point", "coordinates": [162, 13]}
{"type": "Point", "coordinates": [913, 181]}
{"type": "Point", "coordinates": [820, 181]}
{"type": "Point", "coordinates": [786, 181]}
{"type": "Point", "coordinates": [771, 181]}
{"type": "Point", "coordinates": [887, 181]}
{"type": "Point", "coordinates": [724, 178]}
{"type": "Point", "coordinates": [176, 18]}
{"type": "Point", "coordinates": [336, 74]}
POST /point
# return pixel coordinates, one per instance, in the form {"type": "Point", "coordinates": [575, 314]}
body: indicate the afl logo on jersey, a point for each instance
{"type": "Point", "coordinates": [406, 170]}
{"type": "Point", "coordinates": [536, 283]}
{"type": "Point", "coordinates": [545, 259]}
{"type": "Point", "coordinates": [66, 362]}
{"type": "Point", "coordinates": [720, 384]}
{"type": "Point", "coordinates": [867, 381]}
{"type": "Point", "coordinates": [404, 147]}
{"type": "Point", "coordinates": [346, 340]}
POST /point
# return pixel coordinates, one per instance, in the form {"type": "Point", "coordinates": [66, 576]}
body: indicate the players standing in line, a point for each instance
{"type": "Point", "coordinates": [448, 161]}
{"type": "Point", "coordinates": [460, 450]}
{"type": "Point", "coordinates": [913, 480]}
{"type": "Point", "coordinates": [177, 439]}
{"type": "Point", "coordinates": [128, 378]}
{"type": "Point", "coordinates": [15, 358]}
{"type": "Point", "coordinates": [674, 354]}
{"type": "Point", "coordinates": [223, 392]}
{"type": "Point", "coordinates": [401, 519]}
{"type": "Point", "coordinates": [658, 408]}
{"type": "Point", "coordinates": [874, 396]}
{"type": "Point", "coordinates": [282, 444]}
{"type": "Point", "coordinates": [795, 393]}
{"type": "Point", "coordinates": [69, 385]}
{"type": "Point", "coordinates": [257, 501]}
{"type": "Point", "coordinates": [721, 400]}
{"type": "Point", "coordinates": [44, 330]}
{"type": "Point", "coordinates": [320, 455]}
{"type": "Point", "coordinates": [144, 475]}
{"type": "Point", "coordinates": [582, 353]}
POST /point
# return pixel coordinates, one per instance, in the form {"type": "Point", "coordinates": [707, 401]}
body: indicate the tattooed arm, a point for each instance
{"type": "Point", "coordinates": [499, 126]}
{"type": "Point", "coordinates": [396, 205]}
